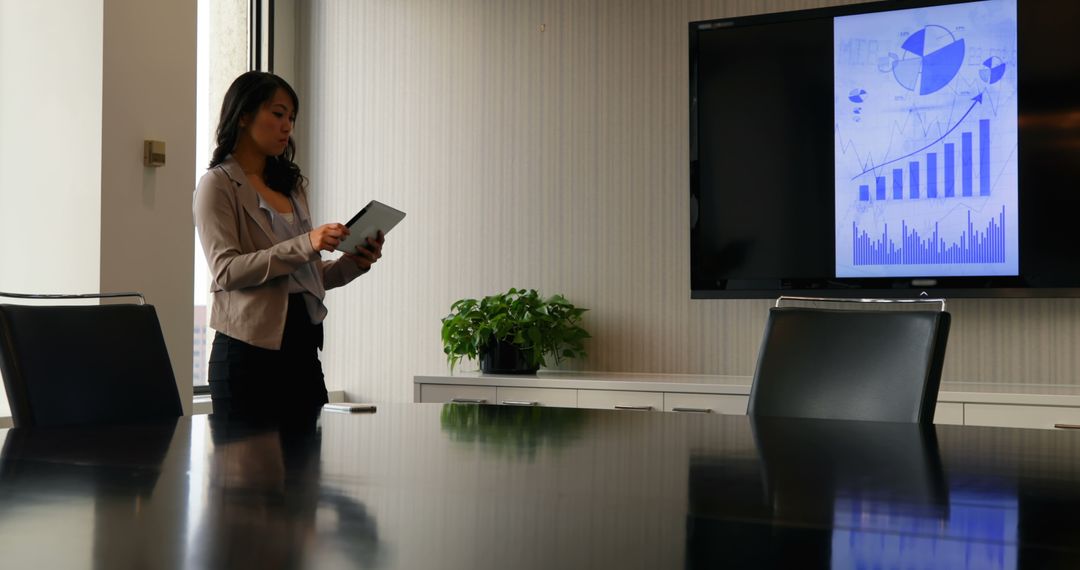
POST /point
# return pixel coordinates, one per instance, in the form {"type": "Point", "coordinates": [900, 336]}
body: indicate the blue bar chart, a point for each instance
{"type": "Point", "coordinates": [971, 246]}
{"type": "Point", "coordinates": [916, 170]}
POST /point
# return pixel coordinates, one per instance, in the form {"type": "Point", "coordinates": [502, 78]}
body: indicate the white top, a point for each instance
{"type": "Point", "coordinates": [287, 225]}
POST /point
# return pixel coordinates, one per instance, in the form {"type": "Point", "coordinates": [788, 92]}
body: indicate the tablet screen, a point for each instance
{"type": "Point", "coordinates": [368, 222]}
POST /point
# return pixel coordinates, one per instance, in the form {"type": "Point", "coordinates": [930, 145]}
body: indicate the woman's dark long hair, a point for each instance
{"type": "Point", "coordinates": [244, 98]}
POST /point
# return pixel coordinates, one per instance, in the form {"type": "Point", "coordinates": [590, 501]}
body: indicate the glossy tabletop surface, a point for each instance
{"type": "Point", "coordinates": [464, 486]}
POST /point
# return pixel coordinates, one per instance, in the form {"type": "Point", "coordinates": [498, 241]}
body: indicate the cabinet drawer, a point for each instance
{"type": "Point", "coordinates": [612, 399]}
{"type": "Point", "coordinates": [450, 392]}
{"type": "Point", "coordinates": [951, 413]}
{"type": "Point", "coordinates": [557, 397]}
{"type": "Point", "coordinates": [1004, 415]}
{"type": "Point", "coordinates": [705, 403]}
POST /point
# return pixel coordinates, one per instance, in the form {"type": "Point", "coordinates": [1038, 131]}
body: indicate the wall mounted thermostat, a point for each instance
{"type": "Point", "coordinates": [154, 153]}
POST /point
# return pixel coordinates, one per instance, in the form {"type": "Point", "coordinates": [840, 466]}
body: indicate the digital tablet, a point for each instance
{"type": "Point", "coordinates": [367, 223]}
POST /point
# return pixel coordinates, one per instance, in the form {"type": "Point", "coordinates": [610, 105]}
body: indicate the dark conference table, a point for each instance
{"type": "Point", "coordinates": [465, 486]}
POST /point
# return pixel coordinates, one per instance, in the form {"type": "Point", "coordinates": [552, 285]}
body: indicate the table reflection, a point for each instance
{"type": "Point", "coordinates": [979, 532]}
{"type": "Point", "coordinates": [267, 508]}
{"type": "Point", "coordinates": [77, 498]}
{"type": "Point", "coordinates": [809, 465]}
{"type": "Point", "coordinates": [844, 495]}
{"type": "Point", "coordinates": [517, 430]}
{"type": "Point", "coordinates": [414, 486]}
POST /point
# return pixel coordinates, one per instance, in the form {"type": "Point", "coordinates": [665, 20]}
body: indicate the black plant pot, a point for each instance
{"type": "Point", "coordinates": [502, 357]}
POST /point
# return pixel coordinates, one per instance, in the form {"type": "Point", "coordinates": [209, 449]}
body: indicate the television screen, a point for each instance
{"type": "Point", "coordinates": [886, 149]}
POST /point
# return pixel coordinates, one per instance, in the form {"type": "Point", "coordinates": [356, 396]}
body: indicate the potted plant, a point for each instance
{"type": "Point", "coordinates": [513, 332]}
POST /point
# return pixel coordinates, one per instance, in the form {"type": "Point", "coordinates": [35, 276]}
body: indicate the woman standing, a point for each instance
{"type": "Point", "coordinates": [268, 278]}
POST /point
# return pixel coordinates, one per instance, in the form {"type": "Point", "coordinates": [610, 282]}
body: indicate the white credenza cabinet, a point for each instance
{"type": "Point", "coordinates": [959, 403]}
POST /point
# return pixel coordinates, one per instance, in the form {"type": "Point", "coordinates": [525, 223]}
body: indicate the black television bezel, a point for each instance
{"type": "Point", "coordinates": [895, 288]}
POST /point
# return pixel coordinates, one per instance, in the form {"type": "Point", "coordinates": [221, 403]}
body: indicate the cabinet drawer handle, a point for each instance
{"type": "Point", "coordinates": [519, 403]}
{"type": "Point", "coordinates": [640, 408]}
{"type": "Point", "coordinates": [468, 400]}
{"type": "Point", "coordinates": [697, 410]}
{"type": "Point", "coordinates": [1067, 426]}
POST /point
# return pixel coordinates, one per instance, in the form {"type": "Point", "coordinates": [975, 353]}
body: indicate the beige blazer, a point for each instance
{"type": "Point", "coordinates": [250, 272]}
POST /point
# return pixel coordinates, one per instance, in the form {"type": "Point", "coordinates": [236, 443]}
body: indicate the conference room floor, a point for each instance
{"type": "Point", "coordinates": [468, 486]}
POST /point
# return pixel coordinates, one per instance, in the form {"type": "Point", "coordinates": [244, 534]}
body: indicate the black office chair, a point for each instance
{"type": "Point", "coordinates": [90, 364]}
{"type": "Point", "coordinates": [850, 364]}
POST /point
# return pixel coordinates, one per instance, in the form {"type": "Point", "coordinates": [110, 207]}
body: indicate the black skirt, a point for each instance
{"type": "Point", "coordinates": [256, 383]}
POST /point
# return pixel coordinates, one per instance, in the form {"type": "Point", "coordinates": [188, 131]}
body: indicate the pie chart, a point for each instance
{"type": "Point", "coordinates": [992, 70]}
{"type": "Point", "coordinates": [932, 56]}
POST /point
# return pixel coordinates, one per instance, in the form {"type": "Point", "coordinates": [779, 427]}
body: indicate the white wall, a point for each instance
{"type": "Point", "coordinates": [552, 159]}
{"type": "Point", "coordinates": [50, 147]}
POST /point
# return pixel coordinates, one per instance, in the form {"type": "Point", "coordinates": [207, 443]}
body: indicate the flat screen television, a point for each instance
{"type": "Point", "coordinates": [896, 149]}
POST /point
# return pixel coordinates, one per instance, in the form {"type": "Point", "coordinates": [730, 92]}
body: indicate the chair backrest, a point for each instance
{"type": "Point", "coordinates": [100, 364]}
{"type": "Point", "coordinates": [850, 364]}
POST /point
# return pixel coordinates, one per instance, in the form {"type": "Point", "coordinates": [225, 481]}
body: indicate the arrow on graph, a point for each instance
{"type": "Point", "coordinates": [976, 100]}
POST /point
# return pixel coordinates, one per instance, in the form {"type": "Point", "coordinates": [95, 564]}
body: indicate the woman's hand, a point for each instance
{"type": "Point", "coordinates": [367, 255]}
{"type": "Point", "coordinates": [327, 237]}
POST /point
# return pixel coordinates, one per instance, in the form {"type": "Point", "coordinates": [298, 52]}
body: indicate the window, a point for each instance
{"type": "Point", "coordinates": [224, 40]}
